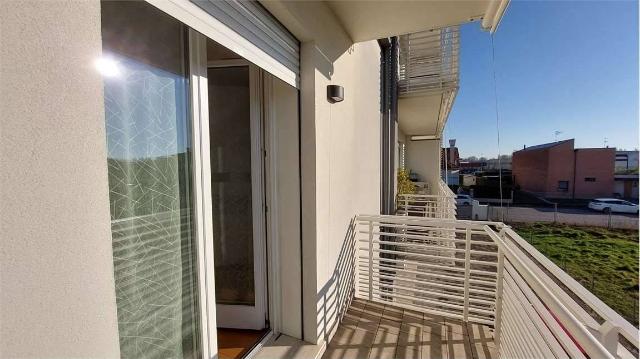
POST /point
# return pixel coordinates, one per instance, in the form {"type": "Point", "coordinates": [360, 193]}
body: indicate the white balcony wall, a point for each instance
{"type": "Point", "coordinates": [423, 158]}
{"type": "Point", "coordinates": [347, 167]}
{"type": "Point", "coordinates": [57, 289]}
{"type": "Point", "coordinates": [340, 152]}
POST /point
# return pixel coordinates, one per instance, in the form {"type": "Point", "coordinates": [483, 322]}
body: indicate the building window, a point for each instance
{"type": "Point", "coordinates": [563, 186]}
{"type": "Point", "coordinates": [589, 179]}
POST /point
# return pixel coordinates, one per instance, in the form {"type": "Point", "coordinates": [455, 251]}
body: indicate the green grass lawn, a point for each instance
{"type": "Point", "coordinates": [604, 261]}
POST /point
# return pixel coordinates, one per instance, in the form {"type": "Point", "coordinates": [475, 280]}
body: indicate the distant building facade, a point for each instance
{"type": "Point", "coordinates": [626, 161]}
{"type": "Point", "coordinates": [451, 157]}
{"type": "Point", "coordinates": [494, 164]}
{"type": "Point", "coordinates": [470, 167]}
{"type": "Point", "coordinates": [626, 175]}
{"type": "Point", "coordinates": [558, 170]}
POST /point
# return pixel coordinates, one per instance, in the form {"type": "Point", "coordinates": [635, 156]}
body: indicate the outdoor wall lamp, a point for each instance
{"type": "Point", "coordinates": [335, 93]}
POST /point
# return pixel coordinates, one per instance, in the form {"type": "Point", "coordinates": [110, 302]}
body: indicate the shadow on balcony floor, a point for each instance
{"type": "Point", "coordinates": [379, 331]}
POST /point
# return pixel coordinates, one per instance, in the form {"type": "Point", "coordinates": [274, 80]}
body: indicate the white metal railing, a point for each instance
{"type": "Point", "coordinates": [594, 316]}
{"type": "Point", "coordinates": [484, 272]}
{"type": "Point", "coordinates": [441, 267]}
{"type": "Point", "coordinates": [428, 61]}
{"type": "Point", "coordinates": [444, 190]}
{"type": "Point", "coordinates": [441, 205]}
{"type": "Point", "coordinates": [426, 205]}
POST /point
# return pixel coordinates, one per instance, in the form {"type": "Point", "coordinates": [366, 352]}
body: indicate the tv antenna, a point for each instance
{"type": "Point", "coordinates": [557, 133]}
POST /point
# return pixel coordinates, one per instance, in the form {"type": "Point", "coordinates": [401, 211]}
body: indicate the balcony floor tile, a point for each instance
{"type": "Point", "coordinates": [372, 330]}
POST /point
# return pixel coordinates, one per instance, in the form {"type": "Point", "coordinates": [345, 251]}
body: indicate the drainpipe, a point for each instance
{"type": "Point", "coordinates": [389, 118]}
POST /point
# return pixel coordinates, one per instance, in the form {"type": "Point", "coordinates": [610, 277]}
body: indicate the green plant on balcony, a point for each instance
{"type": "Point", "coordinates": [405, 186]}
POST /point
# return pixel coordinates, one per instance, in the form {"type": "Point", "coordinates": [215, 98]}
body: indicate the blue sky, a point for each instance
{"type": "Point", "coordinates": [569, 66]}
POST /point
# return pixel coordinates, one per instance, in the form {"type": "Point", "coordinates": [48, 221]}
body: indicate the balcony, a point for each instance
{"type": "Point", "coordinates": [428, 61]}
{"type": "Point", "coordinates": [440, 205]}
{"type": "Point", "coordinates": [445, 288]}
{"type": "Point", "coordinates": [428, 80]}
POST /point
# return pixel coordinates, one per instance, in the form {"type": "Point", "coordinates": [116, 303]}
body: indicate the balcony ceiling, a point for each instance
{"type": "Point", "coordinates": [370, 20]}
{"type": "Point", "coordinates": [418, 115]}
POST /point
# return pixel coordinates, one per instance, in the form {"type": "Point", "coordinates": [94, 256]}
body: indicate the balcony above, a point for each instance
{"type": "Point", "coordinates": [428, 61]}
{"type": "Point", "coordinates": [428, 80]}
{"type": "Point", "coordinates": [370, 20]}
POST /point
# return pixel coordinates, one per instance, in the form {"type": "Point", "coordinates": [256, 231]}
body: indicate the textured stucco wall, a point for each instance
{"type": "Point", "coordinates": [57, 292]}
{"type": "Point", "coordinates": [350, 166]}
{"type": "Point", "coordinates": [345, 175]}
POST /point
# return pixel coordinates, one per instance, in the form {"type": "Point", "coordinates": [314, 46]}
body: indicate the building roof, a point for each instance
{"type": "Point", "coordinates": [544, 146]}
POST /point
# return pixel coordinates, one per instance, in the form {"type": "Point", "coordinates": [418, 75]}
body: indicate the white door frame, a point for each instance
{"type": "Point", "coordinates": [202, 198]}
{"type": "Point", "coordinates": [271, 193]}
{"type": "Point", "coordinates": [202, 191]}
{"type": "Point", "coordinates": [243, 316]}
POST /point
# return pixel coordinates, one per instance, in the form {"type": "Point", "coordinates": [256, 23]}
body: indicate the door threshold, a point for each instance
{"type": "Point", "coordinates": [283, 346]}
{"type": "Point", "coordinates": [240, 343]}
{"type": "Point", "coordinates": [259, 345]}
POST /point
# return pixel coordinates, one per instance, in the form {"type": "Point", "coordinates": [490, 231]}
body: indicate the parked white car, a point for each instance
{"type": "Point", "coordinates": [463, 200]}
{"type": "Point", "coordinates": [607, 205]}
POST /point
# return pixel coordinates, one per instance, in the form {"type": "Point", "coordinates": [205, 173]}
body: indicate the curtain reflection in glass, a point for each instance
{"type": "Point", "coordinates": [149, 162]}
{"type": "Point", "coordinates": [230, 137]}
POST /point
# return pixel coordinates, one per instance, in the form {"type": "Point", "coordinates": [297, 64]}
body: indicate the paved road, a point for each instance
{"type": "Point", "coordinates": [576, 216]}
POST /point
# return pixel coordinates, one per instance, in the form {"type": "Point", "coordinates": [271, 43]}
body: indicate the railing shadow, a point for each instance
{"type": "Point", "coordinates": [335, 296]}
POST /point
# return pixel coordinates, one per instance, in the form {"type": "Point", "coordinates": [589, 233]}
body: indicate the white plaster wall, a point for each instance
{"type": "Point", "coordinates": [401, 136]}
{"type": "Point", "coordinates": [340, 151]}
{"type": "Point", "coordinates": [423, 157]}
{"type": "Point", "coordinates": [57, 293]}
{"type": "Point", "coordinates": [348, 168]}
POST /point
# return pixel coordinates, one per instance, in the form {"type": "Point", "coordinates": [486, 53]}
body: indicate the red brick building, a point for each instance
{"type": "Point", "coordinates": [557, 170]}
{"type": "Point", "coordinates": [451, 156]}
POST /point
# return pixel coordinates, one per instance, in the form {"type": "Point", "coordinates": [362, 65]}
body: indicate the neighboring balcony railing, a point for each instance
{"type": "Point", "coordinates": [428, 61]}
{"type": "Point", "coordinates": [444, 190]}
{"type": "Point", "coordinates": [484, 272]}
{"type": "Point", "coordinates": [441, 205]}
{"type": "Point", "coordinates": [426, 205]}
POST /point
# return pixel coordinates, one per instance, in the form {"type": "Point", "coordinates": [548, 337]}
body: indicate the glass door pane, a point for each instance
{"type": "Point", "coordinates": [230, 138]}
{"type": "Point", "coordinates": [149, 167]}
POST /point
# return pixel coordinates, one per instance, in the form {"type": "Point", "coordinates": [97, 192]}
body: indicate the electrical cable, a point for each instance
{"type": "Point", "coordinates": [495, 94]}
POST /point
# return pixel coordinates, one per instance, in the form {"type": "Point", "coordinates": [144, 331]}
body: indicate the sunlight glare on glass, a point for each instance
{"type": "Point", "coordinates": [108, 67]}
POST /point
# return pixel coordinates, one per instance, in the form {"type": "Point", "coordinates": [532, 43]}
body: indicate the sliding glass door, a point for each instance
{"type": "Point", "coordinates": [148, 128]}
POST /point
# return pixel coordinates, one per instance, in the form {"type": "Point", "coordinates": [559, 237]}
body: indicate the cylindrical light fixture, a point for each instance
{"type": "Point", "coordinates": [335, 93]}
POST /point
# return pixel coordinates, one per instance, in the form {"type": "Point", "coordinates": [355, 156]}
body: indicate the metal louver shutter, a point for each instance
{"type": "Point", "coordinates": [256, 25]}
